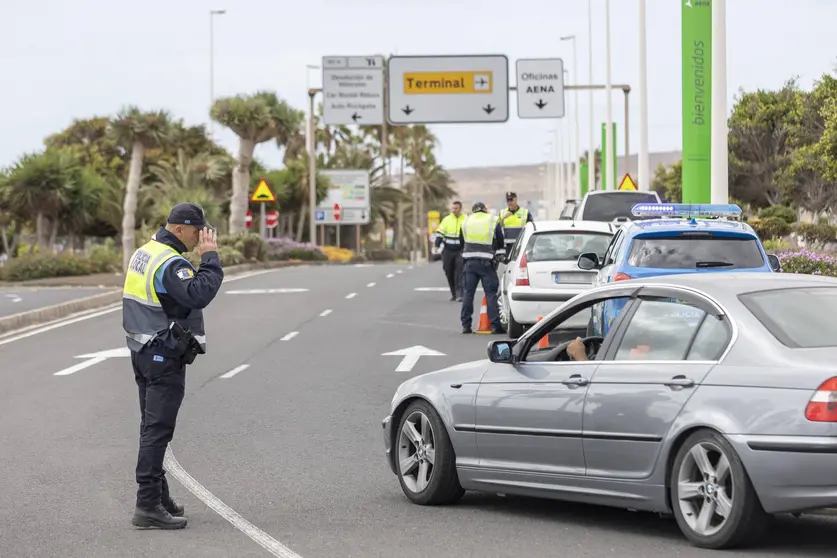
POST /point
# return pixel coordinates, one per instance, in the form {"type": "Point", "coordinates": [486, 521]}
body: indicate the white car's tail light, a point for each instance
{"type": "Point", "coordinates": [522, 279]}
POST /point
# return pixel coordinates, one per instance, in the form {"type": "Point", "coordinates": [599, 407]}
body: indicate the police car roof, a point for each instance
{"type": "Point", "coordinates": [686, 224]}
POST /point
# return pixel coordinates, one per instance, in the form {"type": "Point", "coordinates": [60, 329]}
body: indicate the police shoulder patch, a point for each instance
{"type": "Point", "coordinates": [184, 273]}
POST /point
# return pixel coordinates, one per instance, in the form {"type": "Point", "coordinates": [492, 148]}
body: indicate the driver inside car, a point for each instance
{"type": "Point", "coordinates": [578, 352]}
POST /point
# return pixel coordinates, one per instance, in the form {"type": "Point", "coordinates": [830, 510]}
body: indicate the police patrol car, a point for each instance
{"type": "Point", "coordinates": [685, 238]}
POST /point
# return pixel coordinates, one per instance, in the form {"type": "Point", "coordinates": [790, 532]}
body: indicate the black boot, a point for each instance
{"type": "Point", "coordinates": [156, 518]}
{"type": "Point", "coordinates": [169, 503]}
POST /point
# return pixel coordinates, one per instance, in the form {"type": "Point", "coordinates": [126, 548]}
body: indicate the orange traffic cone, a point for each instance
{"type": "Point", "coordinates": [484, 325]}
{"type": "Point", "coordinates": [543, 342]}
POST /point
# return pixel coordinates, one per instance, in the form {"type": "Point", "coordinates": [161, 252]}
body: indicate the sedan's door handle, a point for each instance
{"type": "Point", "coordinates": [576, 380]}
{"type": "Point", "coordinates": [680, 381]}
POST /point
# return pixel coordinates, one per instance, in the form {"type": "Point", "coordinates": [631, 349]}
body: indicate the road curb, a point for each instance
{"type": "Point", "coordinates": [57, 311]}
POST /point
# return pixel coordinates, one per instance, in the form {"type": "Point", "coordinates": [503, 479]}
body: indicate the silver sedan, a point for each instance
{"type": "Point", "coordinates": [712, 399]}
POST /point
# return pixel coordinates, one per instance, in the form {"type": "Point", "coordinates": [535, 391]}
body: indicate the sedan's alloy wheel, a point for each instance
{"type": "Point", "coordinates": [417, 451]}
{"type": "Point", "coordinates": [705, 489]}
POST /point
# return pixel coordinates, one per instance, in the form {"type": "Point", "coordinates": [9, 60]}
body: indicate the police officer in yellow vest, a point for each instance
{"type": "Point", "coordinates": [483, 248]}
{"type": "Point", "coordinates": [514, 218]}
{"type": "Point", "coordinates": [447, 236]}
{"type": "Point", "coordinates": [162, 304]}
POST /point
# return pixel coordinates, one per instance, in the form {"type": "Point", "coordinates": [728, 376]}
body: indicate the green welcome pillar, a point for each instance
{"type": "Point", "coordinates": [696, 21]}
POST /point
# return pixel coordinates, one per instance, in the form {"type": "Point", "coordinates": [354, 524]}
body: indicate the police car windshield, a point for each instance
{"type": "Point", "coordinates": [611, 205]}
{"type": "Point", "coordinates": [691, 252]}
{"type": "Point", "coordinates": [797, 317]}
{"type": "Point", "coordinates": [559, 246]}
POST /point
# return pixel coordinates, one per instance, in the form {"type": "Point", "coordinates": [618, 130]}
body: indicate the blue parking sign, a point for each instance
{"type": "Point", "coordinates": [319, 215]}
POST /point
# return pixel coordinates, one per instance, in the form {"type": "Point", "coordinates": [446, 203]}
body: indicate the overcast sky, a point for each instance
{"type": "Point", "coordinates": [62, 59]}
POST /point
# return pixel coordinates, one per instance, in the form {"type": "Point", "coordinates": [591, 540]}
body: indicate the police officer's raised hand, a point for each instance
{"type": "Point", "coordinates": [206, 242]}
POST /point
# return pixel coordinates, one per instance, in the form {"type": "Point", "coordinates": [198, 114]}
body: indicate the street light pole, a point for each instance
{"type": "Point", "coordinates": [591, 154]}
{"type": "Point", "coordinates": [576, 73]}
{"type": "Point", "coordinates": [718, 152]}
{"type": "Point", "coordinates": [642, 162]}
{"type": "Point", "coordinates": [610, 175]}
{"type": "Point", "coordinates": [212, 14]}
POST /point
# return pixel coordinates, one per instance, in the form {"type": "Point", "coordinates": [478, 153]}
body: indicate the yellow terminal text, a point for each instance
{"type": "Point", "coordinates": [445, 83]}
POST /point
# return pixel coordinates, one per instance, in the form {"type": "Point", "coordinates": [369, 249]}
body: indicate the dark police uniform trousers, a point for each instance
{"type": "Point", "coordinates": [480, 270]}
{"type": "Point", "coordinates": [160, 372]}
{"type": "Point", "coordinates": [452, 263]}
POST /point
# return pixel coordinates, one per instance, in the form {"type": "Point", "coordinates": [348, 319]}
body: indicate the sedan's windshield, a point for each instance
{"type": "Point", "coordinates": [695, 252]}
{"type": "Point", "coordinates": [799, 317]}
{"type": "Point", "coordinates": [565, 245]}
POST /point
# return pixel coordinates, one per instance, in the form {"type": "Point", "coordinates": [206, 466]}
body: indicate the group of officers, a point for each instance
{"type": "Point", "coordinates": [473, 247]}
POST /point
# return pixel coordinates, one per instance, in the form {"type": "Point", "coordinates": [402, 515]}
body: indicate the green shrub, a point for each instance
{"type": "Point", "coordinates": [816, 233]}
{"type": "Point", "coordinates": [251, 245]}
{"type": "Point", "coordinates": [230, 256]}
{"type": "Point", "coordinates": [808, 262]}
{"type": "Point", "coordinates": [104, 258]}
{"type": "Point", "coordinates": [358, 258]}
{"type": "Point", "coordinates": [46, 264]}
{"type": "Point", "coordinates": [381, 255]}
{"type": "Point", "coordinates": [774, 245]}
{"type": "Point", "coordinates": [782, 212]}
{"type": "Point", "coordinates": [770, 227]}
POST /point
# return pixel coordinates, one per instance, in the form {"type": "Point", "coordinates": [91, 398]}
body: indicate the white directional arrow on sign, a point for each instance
{"type": "Point", "coordinates": [95, 358]}
{"type": "Point", "coordinates": [411, 356]}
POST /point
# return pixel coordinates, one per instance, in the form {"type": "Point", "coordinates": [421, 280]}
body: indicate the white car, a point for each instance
{"type": "Point", "coordinates": [542, 272]}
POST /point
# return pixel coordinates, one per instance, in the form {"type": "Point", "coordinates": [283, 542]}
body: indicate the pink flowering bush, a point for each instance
{"type": "Point", "coordinates": [808, 262]}
{"type": "Point", "coordinates": [283, 248]}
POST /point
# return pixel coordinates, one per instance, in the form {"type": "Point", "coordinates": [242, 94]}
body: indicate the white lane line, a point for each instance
{"type": "Point", "coordinates": [290, 336]}
{"type": "Point", "coordinates": [41, 328]}
{"type": "Point", "coordinates": [370, 284]}
{"type": "Point", "coordinates": [252, 274]}
{"type": "Point", "coordinates": [390, 275]}
{"type": "Point", "coordinates": [325, 313]}
{"type": "Point", "coordinates": [235, 371]}
{"type": "Point", "coordinates": [409, 267]}
{"type": "Point", "coordinates": [14, 297]}
{"type": "Point", "coordinates": [351, 295]}
{"type": "Point", "coordinates": [400, 271]}
{"type": "Point", "coordinates": [256, 535]}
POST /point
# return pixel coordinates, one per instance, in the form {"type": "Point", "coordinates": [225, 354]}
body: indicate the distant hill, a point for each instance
{"type": "Point", "coordinates": [489, 184]}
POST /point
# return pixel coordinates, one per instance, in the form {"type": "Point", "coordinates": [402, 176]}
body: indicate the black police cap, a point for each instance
{"type": "Point", "coordinates": [188, 214]}
{"type": "Point", "coordinates": [511, 196]}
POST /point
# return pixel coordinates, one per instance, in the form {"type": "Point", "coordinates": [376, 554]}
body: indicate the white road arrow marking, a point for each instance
{"type": "Point", "coordinates": [266, 291]}
{"type": "Point", "coordinates": [95, 358]}
{"type": "Point", "coordinates": [411, 356]}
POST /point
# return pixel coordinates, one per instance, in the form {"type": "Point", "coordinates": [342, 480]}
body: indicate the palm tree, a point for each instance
{"type": "Point", "coordinates": [140, 130]}
{"type": "Point", "coordinates": [255, 119]}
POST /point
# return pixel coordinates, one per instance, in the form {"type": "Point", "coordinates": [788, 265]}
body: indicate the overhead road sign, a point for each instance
{"type": "Point", "coordinates": [540, 88]}
{"type": "Point", "coordinates": [353, 90]}
{"type": "Point", "coordinates": [448, 89]}
{"type": "Point", "coordinates": [263, 193]}
{"type": "Point", "coordinates": [627, 183]}
{"type": "Point", "coordinates": [349, 192]}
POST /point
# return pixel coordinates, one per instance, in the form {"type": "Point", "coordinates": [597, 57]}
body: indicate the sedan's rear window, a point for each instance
{"type": "Point", "coordinates": [797, 317]}
{"type": "Point", "coordinates": [609, 206]}
{"type": "Point", "coordinates": [556, 246]}
{"type": "Point", "coordinates": [695, 252]}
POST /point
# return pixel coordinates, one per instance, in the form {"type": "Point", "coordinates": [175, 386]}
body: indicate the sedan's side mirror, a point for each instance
{"type": "Point", "coordinates": [774, 262]}
{"type": "Point", "coordinates": [500, 351]}
{"type": "Point", "coordinates": [588, 261]}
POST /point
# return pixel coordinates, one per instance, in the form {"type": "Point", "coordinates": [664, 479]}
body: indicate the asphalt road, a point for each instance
{"type": "Point", "coordinates": [292, 443]}
{"type": "Point", "coordinates": [25, 299]}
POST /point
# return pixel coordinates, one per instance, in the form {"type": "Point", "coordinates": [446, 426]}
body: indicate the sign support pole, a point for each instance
{"type": "Point", "coordinates": [312, 169]}
{"type": "Point", "coordinates": [263, 222]}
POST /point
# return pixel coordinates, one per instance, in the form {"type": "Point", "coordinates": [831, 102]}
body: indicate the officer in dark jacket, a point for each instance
{"type": "Point", "coordinates": [162, 314]}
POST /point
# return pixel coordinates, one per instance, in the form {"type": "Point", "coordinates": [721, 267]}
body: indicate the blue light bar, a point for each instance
{"type": "Point", "coordinates": [685, 209]}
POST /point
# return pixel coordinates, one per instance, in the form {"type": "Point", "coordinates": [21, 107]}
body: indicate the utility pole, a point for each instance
{"type": "Point", "coordinates": [644, 182]}
{"type": "Point", "coordinates": [212, 14]}
{"type": "Point", "coordinates": [609, 177]}
{"type": "Point", "coordinates": [591, 154]}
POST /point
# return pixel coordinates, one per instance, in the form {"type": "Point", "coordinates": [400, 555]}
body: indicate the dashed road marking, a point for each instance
{"type": "Point", "coordinates": [370, 284]}
{"type": "Point", "coordinates": [390, 275]}
{"type": "Point", "coordinates": [351, 295]}
{"type": "Point", "coordinates": [290, 336]}
{"type": "Point", "coordinates": [325, 313]}
{"type": "Point", "coordinates": [235, 371]}
{"type": "Point", "coordinates": [256, 535]}
{"type": "Point", "coordinates": [400, 271]}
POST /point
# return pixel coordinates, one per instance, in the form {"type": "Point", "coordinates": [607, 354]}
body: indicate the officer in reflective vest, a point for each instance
{"type": "Point", "coordinates": [447, 236]}
{"type": "Point", "coordinates": [162, 314]}
{"type": "Point", "coordinates": [483, 248]}
{"type": "Point", "coordinates": [514, 219]}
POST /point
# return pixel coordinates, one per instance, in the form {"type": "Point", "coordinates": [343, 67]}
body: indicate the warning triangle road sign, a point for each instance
{"type": "Point", "coordinates": [263, 193]}
{"type": "Point", "coordinates": [627, 183]}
